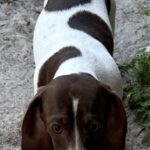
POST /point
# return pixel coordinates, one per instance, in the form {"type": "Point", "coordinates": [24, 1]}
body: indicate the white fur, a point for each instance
{"type": "Point", "coordinates": [76, 145]}
{"type": "Point", "coordinates": [45, 2]}
{"type": "Point", "coordinates": [52, 33]}
{"type": "Point", "coordinates": [75, 106]}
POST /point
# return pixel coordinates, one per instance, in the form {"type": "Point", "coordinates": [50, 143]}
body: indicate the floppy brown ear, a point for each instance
{"type": "Point", "coordinates": [34, 134]}
{"type": "Point", "coordinates": [116, 124]}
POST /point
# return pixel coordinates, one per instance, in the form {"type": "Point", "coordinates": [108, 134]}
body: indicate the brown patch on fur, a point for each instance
{"type": "Point", "coordinates": [108, 5]}
{"type": "Point", "coordinates": [55, 5]}
{"type": "Point", "coordinates": [50, 67]}
{"type": "Point", "coordinates": [94, 26]}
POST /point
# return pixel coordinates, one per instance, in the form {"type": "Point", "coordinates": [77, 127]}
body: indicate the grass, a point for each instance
{"type": "Point", "coordinates": [138, 86]}
{"type": "Point", "coordinates": [147, 12]}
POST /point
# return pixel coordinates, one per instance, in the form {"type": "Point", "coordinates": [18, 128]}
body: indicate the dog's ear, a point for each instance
{"type": "Point", "coordinates": [34, 134]}
{"type": "Point", "coordinates": [116, 123]}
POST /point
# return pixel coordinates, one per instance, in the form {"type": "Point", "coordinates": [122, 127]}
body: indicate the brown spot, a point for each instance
{"type": "Point", "coordinates": [50, 67]}
{"type": "Point", "coordinates": [108, 5]}
{"type": "Point", "coordinates": [55, 5]}
{"type": "Point", "coordinates": [94, 26]}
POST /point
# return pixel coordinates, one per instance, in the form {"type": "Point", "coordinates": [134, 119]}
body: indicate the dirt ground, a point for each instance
{"type": "Point", "coordinates": [17, 20]}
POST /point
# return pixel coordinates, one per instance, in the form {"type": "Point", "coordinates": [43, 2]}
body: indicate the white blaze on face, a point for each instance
{"type": "Point", "coordinates": [75, 108]}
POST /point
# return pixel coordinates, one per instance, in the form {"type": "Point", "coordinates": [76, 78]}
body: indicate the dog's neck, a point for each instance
{"type": "Point", "coordinates": [69, 60]}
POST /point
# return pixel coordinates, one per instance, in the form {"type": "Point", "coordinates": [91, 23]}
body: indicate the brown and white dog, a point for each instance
{"type": "Point", "coordinates": [77, 103]}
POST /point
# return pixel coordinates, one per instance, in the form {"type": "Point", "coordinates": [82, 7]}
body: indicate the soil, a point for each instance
{"type": "Point", "coordinates": [17, 21]}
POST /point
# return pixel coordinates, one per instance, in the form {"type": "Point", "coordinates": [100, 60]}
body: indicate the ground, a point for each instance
{"type": "Point", "coordinates": [17, 21]}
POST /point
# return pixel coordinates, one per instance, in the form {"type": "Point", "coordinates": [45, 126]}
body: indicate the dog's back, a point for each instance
{"type": "Point", "coordinates": [73, 41]}
{"type": "Point", "coordinates": [83, 26]}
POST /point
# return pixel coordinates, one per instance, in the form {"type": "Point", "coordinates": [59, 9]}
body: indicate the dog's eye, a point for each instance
{"type": "Point", "coordinates": [57, 128]}
{"type": "Point", "coordinates": [93, 126]}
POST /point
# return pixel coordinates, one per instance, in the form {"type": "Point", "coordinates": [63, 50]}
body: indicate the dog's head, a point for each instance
{"type": "Point", "coordinates": [74, 112]}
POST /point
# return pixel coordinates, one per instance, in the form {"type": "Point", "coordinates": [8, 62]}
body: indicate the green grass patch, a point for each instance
{"type": "Point", "coordinates": [138, 86]}
{"type": "Point", "coordinates": [147, 12]}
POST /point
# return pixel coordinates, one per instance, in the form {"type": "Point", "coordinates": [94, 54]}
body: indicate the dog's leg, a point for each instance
{"type": "Point", "coordinates": [112, 15]}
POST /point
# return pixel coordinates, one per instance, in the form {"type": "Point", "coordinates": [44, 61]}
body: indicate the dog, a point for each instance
{"type": "Point", "coordinates": [77, 84]}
